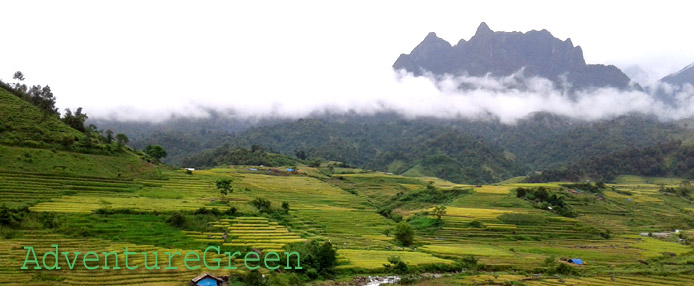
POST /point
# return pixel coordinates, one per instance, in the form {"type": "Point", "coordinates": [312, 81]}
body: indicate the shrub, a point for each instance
{"type": "Point", "coordinates": [263, 205]}
{"type": "Point", "coordinates": [469, 262]}
{"type": "Point", "coordinates": [404, 234]}
{"type": "Point", "coordinates": [254, 278]}
{"type": "Point", "coordinates": [396, 265]}
{"type": "Point", "coordinates": [176, 219]}
{"type": "Point", "coordinates": [475, 224]}
{"type": "Point", "coordinates": [565, 269]}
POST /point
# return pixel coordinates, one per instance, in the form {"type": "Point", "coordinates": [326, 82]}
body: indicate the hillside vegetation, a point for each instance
{"type": "Point", "coordinates": [33, 141]}
{"type": "Point", "coordinates": [397, 146]}
{"type": "Point", "coordinates": [24, 124]}
{"type": "Point", "coordinates": [672, 159]}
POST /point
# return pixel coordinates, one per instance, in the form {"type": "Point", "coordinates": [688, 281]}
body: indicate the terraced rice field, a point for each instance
{"type": "Point", "coordinates": [374, 259]}
{"type": "Point", "coordinates": [13, 256]}
{"type": "Point", "coordinates": [617, 280]}
{"type": "Point", "coordinates": [18, 189]}
{"type": "Point", "coordinates": [342, 211]}
{"type": "Point", "coordinates": [507, 279]}
{"type": "Point", "coordinates": [254, 232]}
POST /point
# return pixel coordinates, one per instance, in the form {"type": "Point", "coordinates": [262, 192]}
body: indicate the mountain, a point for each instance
{"type": "Point", "coordinates": [684, 76]}
{"type": "Point", "coordinates": [383, 143]}
{"type": "Point", "coordinates": [538, 53]}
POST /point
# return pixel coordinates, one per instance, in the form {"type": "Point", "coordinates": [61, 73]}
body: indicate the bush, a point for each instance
{"type": "Point", "coordinates": [263, 205]}
{"type": "Point", "coordinates": [176, 219]}
{"type": "Point", "coordinates": [565, 269]}
{"type": "Point", "coordinates": [396, 265]}
{"type": "Point", "coordinates": [469, 263]}
{"type": "Point", "coordinates": [475, 224]}
{"type": "Point", "coordinates": [254, 278]}
{"type": "Point", "coordinates": [11, 217]}
{"type": "Point", "coordinates": [404, 234]}
{"type": "Point", "coordinates": [317, 259]}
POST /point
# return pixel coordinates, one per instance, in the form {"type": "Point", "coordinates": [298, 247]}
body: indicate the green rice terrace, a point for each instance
{"type": "Point", "coordinates": [627, 233]}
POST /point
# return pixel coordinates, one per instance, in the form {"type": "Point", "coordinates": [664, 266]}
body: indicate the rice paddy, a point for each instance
{"type": "Point", "coordinates": [489, 223]}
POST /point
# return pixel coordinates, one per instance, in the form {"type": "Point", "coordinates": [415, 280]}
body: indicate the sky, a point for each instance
{"type": "Point", "coordinates": [146, 60]}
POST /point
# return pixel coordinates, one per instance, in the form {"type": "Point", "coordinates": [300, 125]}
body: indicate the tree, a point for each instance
{"type": "Point", "coordinates": [404, 233]}
{"type": "Point", "coordinates": [109, 136]}
{"type": "Point", "coordinates": [326, 256]}
{"type": "Point", "coordinates": [121, 140]}
{"type": "Point", "coordinates": [520, 192]}
{"type": "Point", "coordinates": [438, 212]}
{"type": "Point", "coordinates": [176, 219]}
{"type": "Point", "coordinates": [75, 120]}
{"type": "Point", "coordinates": [8, 217]}
{"type": "Point", "coordinates": [263, 205]}
{"type": "Point", "coordinates": [300, 154]}
{"type": "Point", "coordinates": [315, 163]}
{"type": "Point", "coordinates": [224, 186]}
{"type": "Point", "coordinates": [18, 76]}
{"type": "Point", "coordinates": [255, 278]}
{"type": "Point", "coordinates": [285, 207]}
{"type": "Point", "coordinates": [155, 151]}
{"type": "Point", "coordinates": [541, 194]}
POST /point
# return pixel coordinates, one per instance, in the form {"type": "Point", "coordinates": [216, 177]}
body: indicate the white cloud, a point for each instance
{"type": "Point", "coordinates": [149, 59]}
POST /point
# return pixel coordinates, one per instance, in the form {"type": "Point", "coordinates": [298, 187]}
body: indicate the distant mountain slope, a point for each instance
{"type": "Point", "coordinates": [544, 140]}
{"type": "Point", "coordinates": [397, 146]}
{"type": "Point", "coordinates": [665, 159]}
{"type": "Point", "coordinates": [538, 53]}
{"type": "Point", "coordinates": [684, 76]}
{"type": "Point", "coordinates": [539, 141]}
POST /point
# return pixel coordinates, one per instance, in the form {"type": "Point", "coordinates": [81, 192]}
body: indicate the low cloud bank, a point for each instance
{"type": "Point", "coordinates": [508, 98]}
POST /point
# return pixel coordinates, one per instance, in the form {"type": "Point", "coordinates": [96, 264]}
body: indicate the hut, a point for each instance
{"type": "Point", "coordinates": [207, 280]}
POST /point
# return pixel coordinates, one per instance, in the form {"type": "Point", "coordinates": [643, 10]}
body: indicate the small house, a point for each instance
{"type": "Point", "coordinates": [252, 169]}
{"type": "Point", "coordinates": [290, 170]}
{"type": "Point", "coordinates": [576, 261]}
{"type": "Point", "coordinates": [190, 169]}
{"type": "Point", "coordinates": [207, 280]}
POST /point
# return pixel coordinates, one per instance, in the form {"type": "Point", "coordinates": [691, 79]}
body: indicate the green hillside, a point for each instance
{"type": "Point", "coordinates": [24, 124]}
{"type": "Point", "coordinates": [32, 141]}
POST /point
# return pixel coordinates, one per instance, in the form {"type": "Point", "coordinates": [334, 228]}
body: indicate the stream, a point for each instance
{"type": "Point", "coordinates": [380, 280]}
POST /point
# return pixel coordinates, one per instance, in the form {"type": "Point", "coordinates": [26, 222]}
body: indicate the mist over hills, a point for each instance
{"type": "Point", "coordinates": [500, 110]}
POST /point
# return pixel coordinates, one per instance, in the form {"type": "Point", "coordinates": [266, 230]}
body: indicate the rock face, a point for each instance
{"type": "Point", "coordinates": [686, 75]}
{"type": "Point", "coordinates": [538, 53]}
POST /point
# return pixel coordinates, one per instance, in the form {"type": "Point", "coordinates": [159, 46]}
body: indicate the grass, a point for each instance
{"type": "Point", "coordinates": [374, 259]}
{"type": "Point", "coordinates": [654, 247]}
{"type": "Point", "coordinates": [466, 249]}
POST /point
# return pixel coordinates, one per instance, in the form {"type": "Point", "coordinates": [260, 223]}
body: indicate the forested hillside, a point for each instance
{"type": "Point", "coordinates": [671, 159]}
{"type": "Point", "coordinates": [398, 146]}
